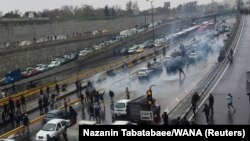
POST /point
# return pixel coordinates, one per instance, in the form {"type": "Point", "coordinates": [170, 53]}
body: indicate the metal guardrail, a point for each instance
{"type": "Point", "coordinates": [202, 88]}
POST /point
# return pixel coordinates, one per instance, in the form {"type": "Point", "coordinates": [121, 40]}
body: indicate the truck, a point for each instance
{"type": "Point", "coordinates": [141, 112]}
{"type": "Point", "coordinates": [11, 77]}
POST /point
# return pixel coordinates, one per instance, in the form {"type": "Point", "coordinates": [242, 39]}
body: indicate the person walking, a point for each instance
{"type": "Point", "coordinates": [195, 99]}
{"type": "Point", "coordinates": [111, 95]}
{"type": "Point", "coordinates": [206, 110]}
{"type": "Point", "coordinates": [127, 93]}
{"type": "Point", "coordinates": [211, 103]}
{"type": "Point", "coordinates": [97, 111]}
{"type": "Point", "coordinates": [230, 102]}
{"type": "Point", "coordinates": [165, 118]}
{"type": "Point", "coordinates": [26, 122]}
{"type": "Point", "coordinates": [181, 72]}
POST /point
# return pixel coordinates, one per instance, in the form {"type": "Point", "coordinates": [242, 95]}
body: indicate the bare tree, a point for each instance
{"type": "Point", "coordinates": [129, 6]}
{"type": "Point", "coordinates": [135, 8]}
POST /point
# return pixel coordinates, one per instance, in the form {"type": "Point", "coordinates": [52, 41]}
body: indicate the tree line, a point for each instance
{"type": "Point", "coordinates": [84, 10]}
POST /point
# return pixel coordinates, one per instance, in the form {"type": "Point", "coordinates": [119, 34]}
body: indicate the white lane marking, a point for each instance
{"type": "Point", "coordinates": [205, 99]}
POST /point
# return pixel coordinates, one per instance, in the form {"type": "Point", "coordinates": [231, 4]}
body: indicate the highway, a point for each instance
{"type": "Point", "coordinates": [169, 89]}
{"type": "Point", "coordinates": [233, 81]}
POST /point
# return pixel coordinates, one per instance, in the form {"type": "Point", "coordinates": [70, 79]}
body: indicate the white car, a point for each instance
{"type": "Point", "coordinates": [53, 128]}
{"type": "Point", "coordinates": [41, 67]}
{"type": "Point", "coordinates": [83, 52]}
{"type": "Point", "coordinates": [54, 64]}
{"type": "Point", "coordinates": [144, 72]}
{"type": "Point", "coordinates": [25, 43]}
{"type": "Point", "coordinates": [41, 40]}
{"type": "Point", "coordinates": [123, 122]}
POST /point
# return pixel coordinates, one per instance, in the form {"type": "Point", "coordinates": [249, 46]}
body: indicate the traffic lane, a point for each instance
{"type": "Point", "coordinates": [171, 85]}
{"type": "Point", "coordinates": [234, 82]}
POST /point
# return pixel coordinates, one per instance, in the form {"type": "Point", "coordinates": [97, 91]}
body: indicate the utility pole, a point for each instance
{"type": "Point", "coordinates": [152, 11]}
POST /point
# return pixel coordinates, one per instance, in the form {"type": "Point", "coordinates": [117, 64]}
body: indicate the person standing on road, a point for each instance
{"type": "Point", "coordinates": [211, 103]}
{"type": "Point", "coordinates": [91, 111]}
{"type": "Point", "coordinates": [65, 104]}
{"type": "Point", "coordinates": [73, 115]}
{"type": "Point", "coordinates": [207, 112]}
{"type": "Point", "coordinates": [165, 118]}
{"type": "Point", "coordinates": [195, 99]}
{"type": "Point", "coordinates": [23, 102]}
{"type": "Point", "coordinates": [97, 111]}
{"type": "Point", "coordinates": [18, 105]}
{"type": "Point", "coordinates": [26, 122]}
{"type": "Point", "coordinates": [40, 105]}
{"type": "Point", "coordinates": [111, 94]}
{"type": "Point", "coordinates": [230, 102]}
{"type": "Point", "coordinates": [127, 93]}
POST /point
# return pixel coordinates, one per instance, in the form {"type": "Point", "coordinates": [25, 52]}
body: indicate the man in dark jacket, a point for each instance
{"type": "Point", "coordinates": [211, 103]}
{"type": "Point", "coordinates": [206, 110]}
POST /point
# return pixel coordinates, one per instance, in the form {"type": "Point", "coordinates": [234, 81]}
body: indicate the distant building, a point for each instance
{"type": "Point", "coordinates": [167, 5]}
{"type": "Point", "coordinates": [211, 8]}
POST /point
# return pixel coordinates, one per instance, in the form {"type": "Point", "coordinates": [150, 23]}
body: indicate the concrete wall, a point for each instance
{"type": "Point", "coordinates": [12, 32]}
{"type": "Point", "coordinates": [31, 57]}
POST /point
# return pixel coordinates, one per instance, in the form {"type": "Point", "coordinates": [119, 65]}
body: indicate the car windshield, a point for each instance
{"type": "Point", "coordinates": [50, 115]}
{"type": "Point", "coordinates": [49, 127]}
{"type": "Point", "coordinates": [120, 105]}
{"type": "Point", "coordinates": [142, 70]}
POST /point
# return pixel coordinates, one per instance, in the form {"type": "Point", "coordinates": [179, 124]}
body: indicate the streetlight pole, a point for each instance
{"type": "Point", "coordinates": [152, 11]}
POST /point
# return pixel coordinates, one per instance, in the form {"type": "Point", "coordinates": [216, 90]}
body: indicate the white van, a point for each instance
{"type": "Point", "coordinates": [120, 107]}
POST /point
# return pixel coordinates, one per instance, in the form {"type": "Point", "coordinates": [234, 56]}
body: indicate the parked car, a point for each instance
{"type": "Point", "coordinates": [54, 64]}
{"type": "Point", "coordinates": [54, 128]}
{"type": "Point", "coordinates": [29, 72]}
{"type": "Point", "coordinates": [41, 67]}
{"type": "Point", "coordinates": [57, 114]}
